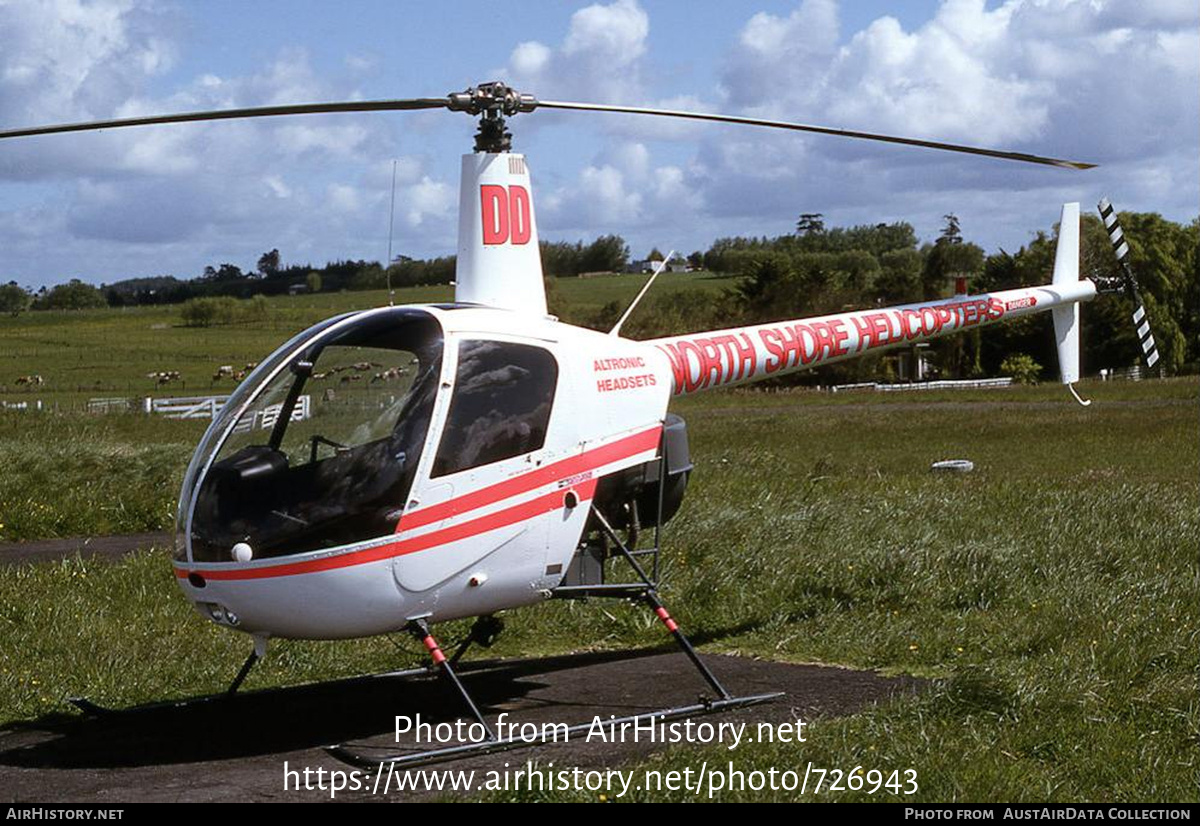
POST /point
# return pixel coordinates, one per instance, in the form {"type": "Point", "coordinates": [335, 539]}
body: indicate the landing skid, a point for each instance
{"type": "Point", "coordinates": [483, 633]}
{"type": "Point", "coordinates": [646, 592]}
{"type": "Point", "coordinates": [358, 757]}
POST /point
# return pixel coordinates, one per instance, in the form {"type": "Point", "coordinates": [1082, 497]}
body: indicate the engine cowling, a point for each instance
{"type": "Point", "coordinates": [631, 497]}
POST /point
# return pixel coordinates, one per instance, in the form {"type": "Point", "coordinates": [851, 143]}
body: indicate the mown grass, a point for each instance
{"type": "Point", "coordinates": [1051, 596]}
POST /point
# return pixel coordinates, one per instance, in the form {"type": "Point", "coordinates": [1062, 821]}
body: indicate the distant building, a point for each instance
{"type": "Point", "coordinates": [677, 264]}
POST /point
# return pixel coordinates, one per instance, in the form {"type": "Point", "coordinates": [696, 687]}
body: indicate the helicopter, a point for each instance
{"type": "Point", "coordinates": [499, 457]}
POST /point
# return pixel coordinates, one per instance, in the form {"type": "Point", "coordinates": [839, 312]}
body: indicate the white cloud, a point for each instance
{"type": "Point", "coordinates": [600, 200]}
{"type": "Point", "coordinates": [530, 59]}
{"type": "Point", "coordinates": [598, 60]}
{"type": "Point", "coordinates": [1112, 82]}
{"type": "Point", "coordinates": [782, 58]}
{"type": "Point", "coordinates": [944, 81]}
{"type": "Point", "coordinates": [159, 197]}
{"type": "Point", "coordinates": [65, 59]}
{"type": "Point", "coordinates": [343, 198]}
{"type": "Point", "coordinates": [426, 199]}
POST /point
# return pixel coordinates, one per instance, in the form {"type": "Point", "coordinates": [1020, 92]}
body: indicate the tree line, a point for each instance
{"type": "Point", "coordinates": [819, 270]}
{"type": "Point", "coordinates": [813, 271]}
{"type": "Point", "coordinates": [608, 253]}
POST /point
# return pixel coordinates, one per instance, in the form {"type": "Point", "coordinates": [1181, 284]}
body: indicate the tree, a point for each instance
{"type": "Point", "coordinates": [1022, 368]}
{"type": "Point", "coordinates": [14, 299]}
{"type": "Point", "coordinates": [608, 253]}
{"type": "Point", "coordinates": [268, 263]}
{"type": "Point", "coordinates": [810, 223]}
{"type": "Point", "coordinates": [229, 272]}
{"type": "Point", "coordinates": [696, 260]}
{"type": "Point", "coordinates": [899, 279]}
{"type": "Point", "coordinates": [948, 257]}
{"type": "Point", "coordinates": [313, 282]}
{"type": "Point", "coordinates": [74, 295]}
{"type": "Point", "coordinates": [655, 255]}
{"type": "Point", "coordinates": [204, 312]}
{"type": "Point", "coordinates": [951, 233]}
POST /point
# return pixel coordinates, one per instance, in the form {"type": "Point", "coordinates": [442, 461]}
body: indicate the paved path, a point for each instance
{"type": "Point", "coordinates": [109, 547]}
{"type": "Point", "coordinates": [235, 750]}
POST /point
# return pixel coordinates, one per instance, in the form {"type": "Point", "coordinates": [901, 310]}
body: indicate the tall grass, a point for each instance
{"type": "Point", "coordinates": [72, 475]}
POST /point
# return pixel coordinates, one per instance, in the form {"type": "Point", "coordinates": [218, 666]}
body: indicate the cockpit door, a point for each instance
{"type": "Point", "coordinates": [482, 508]}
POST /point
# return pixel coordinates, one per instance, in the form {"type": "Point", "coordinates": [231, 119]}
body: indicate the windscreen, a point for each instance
{"type": "Point", "coordinates": [322, 451]}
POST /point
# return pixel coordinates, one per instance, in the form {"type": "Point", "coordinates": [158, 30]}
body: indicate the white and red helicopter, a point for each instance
{"type": "Point", "coordinates": [498, 457]}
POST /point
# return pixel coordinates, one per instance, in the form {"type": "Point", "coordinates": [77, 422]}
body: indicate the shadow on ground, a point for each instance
{"type": "Point", "coordinates": [235, 749]}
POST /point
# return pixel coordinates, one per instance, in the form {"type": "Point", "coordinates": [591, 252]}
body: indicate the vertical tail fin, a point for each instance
{"type": "Point", "coordinates": [1121, 248]}
{"type": "Point", "coordinates": [499, 261]}
{"type": "Point", "coordinates": [1066, 318]}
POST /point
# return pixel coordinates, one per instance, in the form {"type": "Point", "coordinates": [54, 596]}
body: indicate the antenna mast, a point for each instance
{"type": "Point", "coordinates": [387, 265]}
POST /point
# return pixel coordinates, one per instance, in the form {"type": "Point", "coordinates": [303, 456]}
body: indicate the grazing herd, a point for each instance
{"type": "Point", "coordinates": [226, 371]}
{"type": "Point", "coordinates": [164, 377]}
{"type": "Point", "coordinates": [161, 378]}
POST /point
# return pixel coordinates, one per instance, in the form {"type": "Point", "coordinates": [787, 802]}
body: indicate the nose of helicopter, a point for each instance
{"type": "Point", "coordinates": [330, 594]}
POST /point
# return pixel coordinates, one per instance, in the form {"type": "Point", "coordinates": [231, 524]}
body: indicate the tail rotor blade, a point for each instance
{"type": "Point", "coordinates": [1121, 247]}
{"type": "Point", "coordinates": [1115, 234]}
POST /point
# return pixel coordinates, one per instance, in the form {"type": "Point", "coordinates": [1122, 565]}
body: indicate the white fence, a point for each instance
{"type": "Point", "coordinates": [36, 404]}
{"type": "Point", "coordinates": [118, 405]}
{"type": "Point", "coordinates": [199, 407]}
{"type": "Point", "coordinates": [266, 418]}
{"type": "Point", "coordinates": [1133, 373]}
{"type": "Point", "coordinates": [923, 385]}
{"type": "Point", "coordinates": [946, 385]}
{"type": "Point", "coordinates": [186, 407]}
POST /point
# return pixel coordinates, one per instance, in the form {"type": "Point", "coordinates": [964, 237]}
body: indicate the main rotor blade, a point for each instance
{"type": "Point", "coordinates": [820, 130]}
{"type": "Point", "coordinates": [228, 114]}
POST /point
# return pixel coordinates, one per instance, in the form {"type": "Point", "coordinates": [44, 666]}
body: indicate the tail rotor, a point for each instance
{"type": "Point", "coordinates": [1129, 282]}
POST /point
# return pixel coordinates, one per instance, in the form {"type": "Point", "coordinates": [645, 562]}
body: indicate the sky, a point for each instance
{"type": "Point", "coordinates": [1113, 83]}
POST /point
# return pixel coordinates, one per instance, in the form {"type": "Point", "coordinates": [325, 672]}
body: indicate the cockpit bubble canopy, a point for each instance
{"type": "Point", "coordinates": [319, 446]}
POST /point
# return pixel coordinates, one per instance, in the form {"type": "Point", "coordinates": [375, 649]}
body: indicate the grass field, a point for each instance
{"type": "Point", "coordinates": [102, 353]}
{"type": "Point", "coordinates": [1053, 595]}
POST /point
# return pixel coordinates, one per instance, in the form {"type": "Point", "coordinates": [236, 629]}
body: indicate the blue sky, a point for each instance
{"type": "Point", "coordinates": [1112, 83]}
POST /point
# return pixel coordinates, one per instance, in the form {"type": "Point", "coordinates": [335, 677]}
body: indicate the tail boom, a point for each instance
{"type": "Point", "coordinates": [739, 355]}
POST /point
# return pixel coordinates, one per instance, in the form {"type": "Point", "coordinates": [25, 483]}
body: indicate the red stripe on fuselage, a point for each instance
{"type": "Point", "coordinates": [590, 460]}
{"type": "Point", "coordinates": [463, 530]}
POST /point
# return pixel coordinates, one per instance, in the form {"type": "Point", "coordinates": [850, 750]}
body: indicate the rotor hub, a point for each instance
{"type": "Point", "coordinates": [492, 102]}
{"type": "Point", "coordinates": [494, 98]}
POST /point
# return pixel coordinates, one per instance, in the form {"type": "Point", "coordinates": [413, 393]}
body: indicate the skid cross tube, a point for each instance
{"type": "Point", "coordinates": [650, 597]}
{"type": "Point", "coordinates": [366, 756]}
{"type": "Point", "coordinates": [420, 630]}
